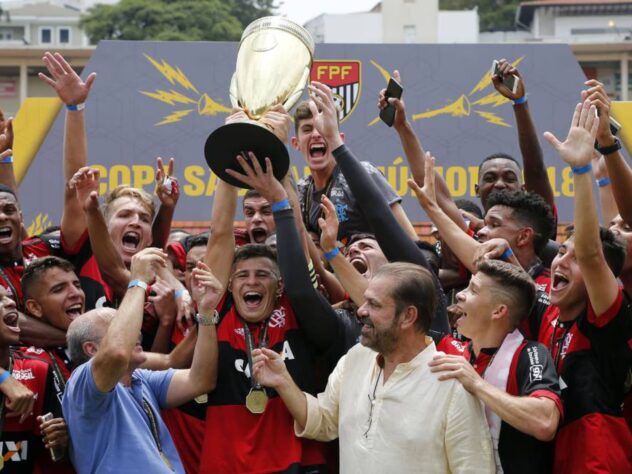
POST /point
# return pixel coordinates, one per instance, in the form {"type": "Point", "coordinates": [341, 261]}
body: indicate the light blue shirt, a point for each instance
{"type": "Point", "coordinates": [110, 432]}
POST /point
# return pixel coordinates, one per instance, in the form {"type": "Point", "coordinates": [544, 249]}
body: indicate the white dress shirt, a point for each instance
{"type": "Point", "coordinates": [417, 424]}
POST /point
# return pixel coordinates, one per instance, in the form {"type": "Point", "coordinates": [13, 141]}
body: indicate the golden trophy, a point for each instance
{"type": "Point", "coordinates": [273, 67]}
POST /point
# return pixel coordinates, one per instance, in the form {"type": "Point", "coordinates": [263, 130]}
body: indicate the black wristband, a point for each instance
{"type": "Point", "coordinates": [606, 150]}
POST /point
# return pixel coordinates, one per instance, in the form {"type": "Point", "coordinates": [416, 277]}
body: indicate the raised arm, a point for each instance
{"type": "Point", "coordinates": [577, 151]}
{"type": "Point", "coordinates": [609, 208]}
{"type": "Point", "coordinates": [314, 313]}
{"type": "Point", "coordinates": [112, 359]}
{"type": "Point", "coordinates": [619, 171]}
{"type": "Point", "coordinates": [392, 239]}
{"type": "Point", "coordinates": [7, 175]}
{"type": "Point", "coordinates": [201, 378]}
{"type": "Point", "coordinates": [73, 92]}
{"type": "Point", "coordinates": [168, 192]}
{"type": "Point", "coordinates": [536, 178]}
{"type": "Point", "coordinates": [85, 184]}
{"type": "Point", "coordinates": [414, 152]}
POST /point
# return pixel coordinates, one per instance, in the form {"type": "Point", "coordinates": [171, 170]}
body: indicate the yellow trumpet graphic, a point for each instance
{"type": "Point", "coordinates": [203, 104]}
{"type": "Point", "coordinates": [458, 108]}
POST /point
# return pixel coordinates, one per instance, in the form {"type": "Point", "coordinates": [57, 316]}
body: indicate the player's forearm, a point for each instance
{"type": "Point", "coordinates": [294, 399]}
{"type": "Point", "coordinates": [203, 373]}
{"type": "Point", "coordinates": [161, 226]}
{"type": "Point", "coordinates": [75, 143]}
{"type": "Point", "coordinates": [621, 178]}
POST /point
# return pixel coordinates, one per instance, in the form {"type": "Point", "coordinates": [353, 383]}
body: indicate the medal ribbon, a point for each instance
{"type": "Point", "coordinates": [154, 431]}
{"type": "Point", "coordinates": [250, 345]}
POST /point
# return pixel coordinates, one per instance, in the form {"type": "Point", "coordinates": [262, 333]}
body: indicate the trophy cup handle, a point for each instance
{"type": "Point", "coordinates": [296, 94]}
{"type": "Point", "coordinates": [233, 91]}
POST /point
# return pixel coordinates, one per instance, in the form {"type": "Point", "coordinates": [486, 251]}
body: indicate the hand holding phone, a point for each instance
{"type": "Point", "coordinates": [510, 81]}
{"type": "Point", "coordinates": [393, 89]}
{"type": "Point", "coordinates": [56, 454]}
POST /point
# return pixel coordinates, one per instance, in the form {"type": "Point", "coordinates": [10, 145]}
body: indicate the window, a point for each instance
{"type": "Point", "coordinates": [64, 35]}
{"type": "Point", "coordinates": [410, 34]}
{"type": "Point", "coordinates": [46, 35]}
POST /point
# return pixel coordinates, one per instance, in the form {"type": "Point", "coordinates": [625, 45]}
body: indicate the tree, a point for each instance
{"type": "Point", "coordinates": [494, 15]}
{"type": "Point", "coordinates": [173, 20]}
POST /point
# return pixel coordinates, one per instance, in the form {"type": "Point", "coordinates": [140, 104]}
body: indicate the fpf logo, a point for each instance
{"type": "Point", "coordinates": [344, 79]}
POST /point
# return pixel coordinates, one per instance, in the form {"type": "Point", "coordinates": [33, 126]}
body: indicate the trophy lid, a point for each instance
{"type": "Point", "coordinates": [280, 23]}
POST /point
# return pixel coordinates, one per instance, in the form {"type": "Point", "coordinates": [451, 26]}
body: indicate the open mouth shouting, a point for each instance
{"type": "Point", "coordinates": [253, 299]}
{"type": "Point", "coordinates": [6, 234]}
{"type": "Point", "coordinates": [560, 281]}
{"type": "Point", "coordinates": [11, 321]}
{"type": "Point", "coordinates": [259, 235]}
{"type": "Point", "coordinates": [317, 150]}
{"type": "Point", "coordinates": [131, 241]}
{"type": "Point", "coordinates": [359, 264]}
{"type": "Point", "coordinates": [74, 311]}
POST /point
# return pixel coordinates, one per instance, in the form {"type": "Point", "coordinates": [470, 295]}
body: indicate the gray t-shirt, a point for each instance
{"type": "Point", "coordinates": [351, 218]}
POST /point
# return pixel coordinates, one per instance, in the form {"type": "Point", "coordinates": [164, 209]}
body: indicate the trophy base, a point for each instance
{"type": "Point", "coordinates": [228, 141]}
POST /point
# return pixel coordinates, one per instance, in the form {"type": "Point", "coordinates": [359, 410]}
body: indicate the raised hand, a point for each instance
{"type": "Point", "coordinates": [164, 301]}
{"type": "Point", "coordinates": [269, 368]}
{"type": "Point", "coordinates": [328, 225]}
{"type": "Point", "coordinates": [85, 182]}
{"type": "Point", "coordinates": [426, 195]}
{"type": "Point", "coordinates": [6, 138]}
{"type": "Point", "coordinates": [578, 148]}
{"type": "Point", "coordinates": [279, 122]}
{"type": "Point", "coordinates": [598, 97]}
{"type": "Point", "coordinates": [66, 82]}
{"type": "Point", "coordinates": [506, 69]}
{"type": "Point", "coordinates": [145, 264]}
{"type": "Point", "coordinates": [494, 249]}
{"type": "Point", "coordinates": [263, 181]}
{"type": "Point", "coordinates": [400, 107]}
{"type": "Point", "coordinates": [167, 187]}
{"type": "Point", "coordinates": [325, 114]}
{"type": "Point", "coordinates": [237, 115]}
{"type": "Point", "coordinates": [207, 289]}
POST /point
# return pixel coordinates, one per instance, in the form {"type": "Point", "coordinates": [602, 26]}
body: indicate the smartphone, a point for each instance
{"type": "Point", "coordinates": [56, 454]}
{"type": "Point", "coordinates": [510, 81]}
{"type": "Point", "coordinates": [393, 89]}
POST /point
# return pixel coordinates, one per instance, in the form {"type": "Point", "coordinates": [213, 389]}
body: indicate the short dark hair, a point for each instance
{"type": "Point", "coordinates": [530, 209]}
{"type": "Point", "coordinates": [412, 285]}
{"type": "Point", "coordinates": [197, 241]}
{"type": "Point", "coordinates": [469, 206]}
{"type": "Point", "coordinates": [6, 189]}
{"type": "Point", "coordinates": [301, 112]}
{"type": "Point", "coordinates": [513, 286]}
{"type": "Point", "coordinates": [494, 156]}
{"type": "Point", "coordinates": [248, 251]}
{"type": "Point", "coordinates": [613, 247]}
{"type": "Point", "coordinates": [430, 252]}
{"type": "Point", "coordinates": [36, 269]}
{"type": "Point", "coordinates": [251, 194]}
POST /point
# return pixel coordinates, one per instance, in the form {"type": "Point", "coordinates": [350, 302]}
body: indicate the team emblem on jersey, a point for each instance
{"type": "Point", "coordinates": [343, 76]}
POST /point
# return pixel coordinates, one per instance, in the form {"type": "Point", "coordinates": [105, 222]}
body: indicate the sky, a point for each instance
{"type": "Point", "coordinates": [301, 11]}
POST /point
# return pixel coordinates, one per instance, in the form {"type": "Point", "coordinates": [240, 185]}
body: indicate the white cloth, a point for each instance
{"type": "Point", "coordinates": [419, 424]}
{"type": "Point", "coordinates": [497, 374]}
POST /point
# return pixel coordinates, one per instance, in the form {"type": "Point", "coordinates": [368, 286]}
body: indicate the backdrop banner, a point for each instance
{"type": "Point", "coordinates": [164, 98]}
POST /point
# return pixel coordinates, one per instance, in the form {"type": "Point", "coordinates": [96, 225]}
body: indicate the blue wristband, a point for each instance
{"type": "Point", "coordinates": [140, 283]}
{"type": "Point", "coordinates": [75, 107]}
{"type": "Point", "coordinates": [332, 253]}
{"type": "Point", "coordinates": [280, 206]}
{"type": "Point", "coordinates": [5, 375]}
{"type": "Point", "coordinates": [603, 182]}
{"type": "Point", "coordinates": [180, 293]}
{"type": "Point", "coordinates": [7, 159]}
{"type": "Point", "coordinates": [521, 100]}
{"type": "Point", "coordinates": [506, 254]}
{"type": "Point", "coordinates": [582, 169]}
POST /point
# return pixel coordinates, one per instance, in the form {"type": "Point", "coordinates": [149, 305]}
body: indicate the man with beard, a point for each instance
{"type": "Point", "coordinates": [445, 429]}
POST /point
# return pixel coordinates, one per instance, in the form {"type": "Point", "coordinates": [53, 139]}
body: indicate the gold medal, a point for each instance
{"type": "Point", "coordinates": [166, 460]}
{"type": "Point", "coordinates": [256, 401]}
{"type": "Point", "coordinates": [202, 399]}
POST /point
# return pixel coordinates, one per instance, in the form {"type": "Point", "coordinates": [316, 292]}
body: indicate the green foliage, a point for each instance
{"type": "Point", "coordinates": [173, 20]}
{"type": "Point", "coordinates": [493, 14]}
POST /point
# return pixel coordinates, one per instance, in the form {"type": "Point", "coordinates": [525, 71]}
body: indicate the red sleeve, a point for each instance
{"type": "Point", "coordinates": [603, 319]}
{"type": "Point", "coordinates": [551, 396]}
{"type": "Point", "coordinates": [74, 250]}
